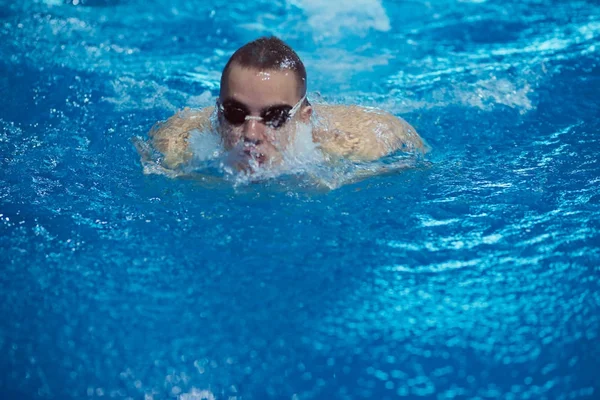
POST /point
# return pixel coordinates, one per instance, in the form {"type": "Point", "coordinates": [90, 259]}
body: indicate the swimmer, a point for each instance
{"type": "Point", "coordinates": [261, 106]}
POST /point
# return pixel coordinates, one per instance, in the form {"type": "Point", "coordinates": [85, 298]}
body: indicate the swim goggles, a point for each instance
{"type": "Point", "coordinates": [275, 117]}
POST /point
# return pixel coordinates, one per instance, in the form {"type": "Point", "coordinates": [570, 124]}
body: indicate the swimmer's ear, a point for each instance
{"type": "Point", "coordinates": [305, 114]}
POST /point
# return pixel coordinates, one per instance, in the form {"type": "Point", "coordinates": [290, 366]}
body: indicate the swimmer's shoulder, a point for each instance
{"type": "Point", "coordinates": [170, 137]}
{"type": "Point", "coordinates": [363, 133]}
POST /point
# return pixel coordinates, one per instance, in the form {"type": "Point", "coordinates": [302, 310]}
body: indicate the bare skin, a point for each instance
{"type": "Point", "coordinates": [351, 132]}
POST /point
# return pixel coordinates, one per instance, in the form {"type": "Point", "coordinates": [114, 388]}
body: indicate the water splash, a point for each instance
{"type": "Point", "coordinates": [303, 164]}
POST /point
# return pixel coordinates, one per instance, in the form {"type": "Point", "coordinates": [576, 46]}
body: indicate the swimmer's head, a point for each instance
{"type": "Point", "coordinates": [262, 100]}
{"type": "Point", "coordinates": [267, 54]}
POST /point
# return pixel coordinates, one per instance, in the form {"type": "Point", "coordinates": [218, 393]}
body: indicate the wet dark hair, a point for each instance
{"type": "Point", "coordinates": [268, 54]}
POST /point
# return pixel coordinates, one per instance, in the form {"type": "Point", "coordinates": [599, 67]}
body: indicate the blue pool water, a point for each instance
{"type": "Point", "coordinates": [471, 276]}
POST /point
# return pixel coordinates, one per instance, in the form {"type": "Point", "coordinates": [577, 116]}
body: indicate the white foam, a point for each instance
{"type": "Point", "coordinates": [301, 157]}
{"type": "Point", "coordinates": [205, 146]}
{"type": "Point", "coordinates": [197, 394]}
{"type": "Point", "coordinates": [132, 94]}
{"type": "Point", "coordinates": [303, 151]}
{"type": "Point", "coordinates": [332, 18]}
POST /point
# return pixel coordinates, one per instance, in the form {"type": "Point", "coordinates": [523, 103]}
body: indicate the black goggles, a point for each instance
{"type": "Point", "coordinates": [274, 117]}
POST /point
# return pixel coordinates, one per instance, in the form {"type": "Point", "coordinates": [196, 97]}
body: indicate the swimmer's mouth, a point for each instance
{"type": "Point", "coordinates": [256, 155]}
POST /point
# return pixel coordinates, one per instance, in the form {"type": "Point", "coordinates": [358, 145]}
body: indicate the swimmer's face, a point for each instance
{"type": "Point", "coordinates": [252, 92]}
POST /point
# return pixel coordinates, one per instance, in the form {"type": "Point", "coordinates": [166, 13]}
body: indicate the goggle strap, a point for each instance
{"type": "Point", "coordinates": [295, 109]}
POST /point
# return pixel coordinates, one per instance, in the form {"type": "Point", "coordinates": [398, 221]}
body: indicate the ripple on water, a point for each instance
{"type": "Point", "coordinates": [474, 275]}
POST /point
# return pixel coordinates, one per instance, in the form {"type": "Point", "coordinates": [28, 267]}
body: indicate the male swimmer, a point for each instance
{"type": "Point", "coordinates": [261, 106]}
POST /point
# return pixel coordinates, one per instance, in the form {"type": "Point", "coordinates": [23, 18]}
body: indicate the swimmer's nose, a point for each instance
{"type": "Point", "coordinates": [254, 131]}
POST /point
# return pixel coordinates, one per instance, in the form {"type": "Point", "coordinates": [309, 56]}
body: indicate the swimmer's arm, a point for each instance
{"type": "Point", "coordinates": [170, 137]}
{"type": "Point", "coordinates": [364, 134]}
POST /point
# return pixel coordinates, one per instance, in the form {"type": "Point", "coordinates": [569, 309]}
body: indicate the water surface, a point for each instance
{"type": "Point", "coordinates": [475, 276]}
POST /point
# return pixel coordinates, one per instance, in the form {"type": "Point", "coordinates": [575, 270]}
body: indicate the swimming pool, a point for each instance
{"type": "Point", "coordinates": [473, 276]}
